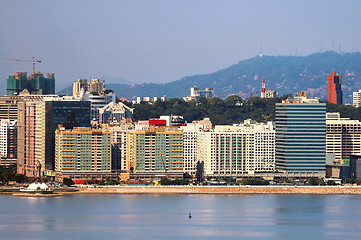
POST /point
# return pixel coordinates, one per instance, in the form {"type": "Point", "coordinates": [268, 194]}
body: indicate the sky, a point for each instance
{"type": "Point", "coordinates": [160, 41]}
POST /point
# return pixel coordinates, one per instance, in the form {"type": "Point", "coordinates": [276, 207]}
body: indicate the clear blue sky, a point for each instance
{"type": "Point", "coordinates": [164, 40]}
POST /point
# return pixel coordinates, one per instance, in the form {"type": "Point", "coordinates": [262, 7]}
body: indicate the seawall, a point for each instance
{"type": "Point", "coordinates": [322, 190]}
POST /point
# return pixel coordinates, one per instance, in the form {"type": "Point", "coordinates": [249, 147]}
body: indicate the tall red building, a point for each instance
{"type": "Point", "coordinates": [334, 92]}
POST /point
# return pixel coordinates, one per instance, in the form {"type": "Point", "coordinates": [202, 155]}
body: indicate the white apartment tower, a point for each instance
{"type": "Point", "coordinates": [190, 133]}
{"type": "Point", "coordinates": [8, 134]}
{"type": "Point", "coordinates": [357, 99]}
{"type": "Point", "coordinates": [237, 150]}
{"type": "Point", "coordinates": [343, 136]}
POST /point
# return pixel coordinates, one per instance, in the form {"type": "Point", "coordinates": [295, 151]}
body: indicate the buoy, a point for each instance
{"type": "Point", "coordinates": [190, 215]}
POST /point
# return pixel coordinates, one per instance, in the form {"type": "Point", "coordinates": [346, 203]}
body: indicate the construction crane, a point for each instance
{"type": "Point", "coordinates": [26, 60]}
{"type": "Point", "coordinates": [165, 169]}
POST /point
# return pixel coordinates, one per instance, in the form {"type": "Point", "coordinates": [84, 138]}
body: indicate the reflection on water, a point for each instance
{"type": "Point", "coordinates": [166, 216]}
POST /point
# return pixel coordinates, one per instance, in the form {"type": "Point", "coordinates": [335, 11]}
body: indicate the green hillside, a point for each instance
{"type": "Point", "coordinates": [286, 74]}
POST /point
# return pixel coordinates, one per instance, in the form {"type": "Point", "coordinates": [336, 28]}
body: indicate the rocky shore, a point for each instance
{"type": "Point", "coordinates": [322, 190]}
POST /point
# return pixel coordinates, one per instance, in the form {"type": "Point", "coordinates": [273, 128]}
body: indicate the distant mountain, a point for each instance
{"type": "Point", "coordinates": [286, 74]}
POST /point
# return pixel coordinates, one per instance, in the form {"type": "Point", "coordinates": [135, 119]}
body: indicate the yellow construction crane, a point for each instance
{"type": "Point", "coordinates": [26, 60]}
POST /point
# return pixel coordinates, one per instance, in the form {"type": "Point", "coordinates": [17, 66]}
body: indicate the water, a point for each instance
{"type": "Point", "coordinates": [81, 216]}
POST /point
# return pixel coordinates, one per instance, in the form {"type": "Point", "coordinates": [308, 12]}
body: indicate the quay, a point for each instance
{"type": "Point", "coordinates": [321, 190]}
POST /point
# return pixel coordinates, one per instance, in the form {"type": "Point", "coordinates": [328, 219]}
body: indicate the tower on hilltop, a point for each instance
{"type": "Point", "coordinates": [263, 89]}
{"type": "Point", "coordinates": [334, 92]}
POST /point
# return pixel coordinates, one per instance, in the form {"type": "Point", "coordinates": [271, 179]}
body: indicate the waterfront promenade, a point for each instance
{"type": "Point", "coordinates": [322, 190]}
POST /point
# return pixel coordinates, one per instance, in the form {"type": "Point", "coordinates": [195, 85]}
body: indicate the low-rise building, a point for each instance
{"type": "Point", "coordinates": [115, 113]}
{"type": "Point", "coordinates": [196, 93]}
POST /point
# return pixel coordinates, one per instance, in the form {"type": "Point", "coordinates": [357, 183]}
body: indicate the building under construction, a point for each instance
{"type": "Point", "coordinates": [36, 83]}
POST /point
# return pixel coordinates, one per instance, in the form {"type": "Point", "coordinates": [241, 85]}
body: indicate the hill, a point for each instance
{"type": "Point", "coordinates": [286, 74]}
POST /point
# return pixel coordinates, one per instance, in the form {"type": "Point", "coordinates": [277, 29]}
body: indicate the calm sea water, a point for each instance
{"type": "Point", "coordinates": [98, 216]}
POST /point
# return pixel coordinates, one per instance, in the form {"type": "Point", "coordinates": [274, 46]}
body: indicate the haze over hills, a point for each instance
{"type": "Point", "coordinates": [286, 74]}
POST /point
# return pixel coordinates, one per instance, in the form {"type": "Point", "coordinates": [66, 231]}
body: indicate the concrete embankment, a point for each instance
{"type": "Point", "coordinates": [323, 190]}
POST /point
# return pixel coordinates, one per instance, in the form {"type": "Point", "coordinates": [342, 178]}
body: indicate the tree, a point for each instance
{"type": "Point", "coordinates": [68, 181]}
{"type": "Point", "coordinates": [200, 169]}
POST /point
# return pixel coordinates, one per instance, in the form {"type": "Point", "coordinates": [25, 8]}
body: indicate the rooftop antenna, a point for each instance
{"type": "Point", "coordinates": [296, 51]}
{"type": "Point", "coordinates": [321, 47]}
{"type": "Point", "coordinates": [260, 50]}
{"type": "Point", "coordinates": [332, 45]}
{"type": "Point", "coordinates": [339, 48]}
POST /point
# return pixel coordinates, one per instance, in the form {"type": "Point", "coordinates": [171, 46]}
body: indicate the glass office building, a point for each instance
{"type": "Point", "coordinates": [301, 138]}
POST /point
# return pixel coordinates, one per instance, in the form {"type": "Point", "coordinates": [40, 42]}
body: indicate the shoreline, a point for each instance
{"type": "Point", "coordinates": [310, 190]}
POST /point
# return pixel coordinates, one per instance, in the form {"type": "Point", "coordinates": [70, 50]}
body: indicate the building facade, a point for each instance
{"type": "Point", "coordinates": [8, 138]}
{"type": "Point", "coordinates": [82, 86]}
{"type": "Point", "coordinates": [343, 137]}
{"type": "Point", "coordinates": [83, 152]}
{"type": "Point", "coordinates": [157, 150]}
{"type": "Point", "coordinates": [98, 101]}
{"type": "Point", "coordinates": [38, 118]}
{"type": "Point", "coordinates": [115, 113]}
{"type": "Point", "coordinates": [301, 138]}
{"type": "Point", "coordinates": [334, 91]}
{"type": "Point", "coordinates": [356, 99]}
{"type": "Point", "coordinates": [235, 151]}
{"type": "Point", "coordinates": [196, 93]}
{"type": "Point", "coordinates": [35, 83]}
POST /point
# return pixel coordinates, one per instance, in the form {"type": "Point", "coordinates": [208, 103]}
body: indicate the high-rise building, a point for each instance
{"type": "Point", "coordinates": [357, 99]}
{"type": "Point", "coordinates": [343, 137]}
{"type": "Point", "coordinates": [9, 107]}
{"type": "Point", "coordinates": [8, 136]}
{"type": "Point", "coordinates": [119, 145]}
{"type": "Point", "coordinates": [231, 151]}
{"type": "Point", "coordinates": [155, 151]}
{"type": "Point", "coordinates": [190, 133]}
{"type": "Point", "coordinates": [301, 138]}
{"type": "Point", "coordinates": [82, 86]}
{"type": "Point", "coordinates": [83, 152]}
{"type": "Point", "coordinates": [38, 119]}
{"type": "Point", "coordinates": [334, 91]}
{"type": "Point", "coordinates": [35, 83]}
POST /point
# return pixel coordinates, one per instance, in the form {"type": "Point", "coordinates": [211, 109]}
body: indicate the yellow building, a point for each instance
{"type": "Point", "coordinates": [83, 152]}
{"type": "Point", "coordinates": [155, 150]}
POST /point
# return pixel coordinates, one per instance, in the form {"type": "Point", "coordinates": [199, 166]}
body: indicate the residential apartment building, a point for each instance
{"type": "Point", "coordinates": [343, 137]}
{"type": "Point", "coordinates": [8, 138]}
{"type": "Point", "coordinates": [190, 133]}
{"type": "Point", "coordinates": [155, 150]}
{"type": "Point", "coordinates": [36, 83]}
{"type": "Point", "coordinates": [231, 151]}
{"type": "Point", "coordinates": [356, 99]}
{"type": "Point", "coordinates": [119, 145]}
{"type": "Point", "coordinates": [83, 152]}
{"type": "Point", "coordinates": [82, 86]}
